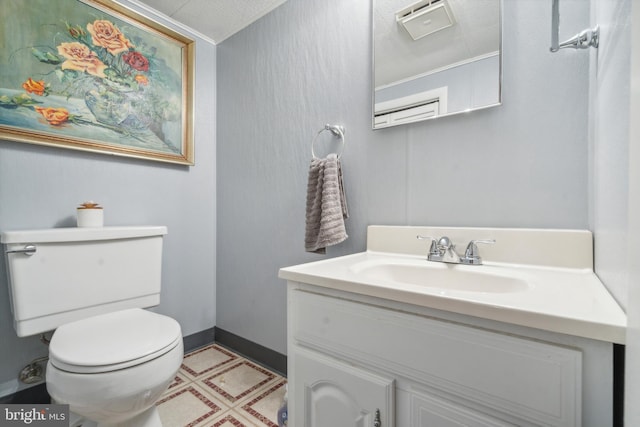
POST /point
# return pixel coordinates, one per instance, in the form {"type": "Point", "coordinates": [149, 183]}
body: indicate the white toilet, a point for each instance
{"type": "Point", "coordinates": [109, 359]}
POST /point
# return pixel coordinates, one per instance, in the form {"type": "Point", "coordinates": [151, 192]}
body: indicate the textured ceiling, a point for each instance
{"type": "Point", "coordinates": [215, 19]}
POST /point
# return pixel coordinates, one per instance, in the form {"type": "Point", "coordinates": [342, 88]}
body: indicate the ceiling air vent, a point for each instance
{"type": "Point", "coordinates": [425, 17]}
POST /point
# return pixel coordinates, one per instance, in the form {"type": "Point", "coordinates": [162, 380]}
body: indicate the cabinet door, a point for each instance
{"type": "Point", "coordinates": [330, 393]}
{"type": "Point", "coordinates": [418, 408]}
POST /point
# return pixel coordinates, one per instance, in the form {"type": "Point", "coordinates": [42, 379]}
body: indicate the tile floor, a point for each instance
{"type": "Point", "coordinates": [218, 388]}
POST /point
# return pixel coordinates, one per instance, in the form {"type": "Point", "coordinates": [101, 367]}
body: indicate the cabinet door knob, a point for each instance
{"type": "Point", "coordinates": [376, 419]}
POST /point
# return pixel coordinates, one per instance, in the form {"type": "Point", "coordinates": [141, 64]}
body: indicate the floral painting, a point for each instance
{"type": "Point", "coordinates": [93, 75]}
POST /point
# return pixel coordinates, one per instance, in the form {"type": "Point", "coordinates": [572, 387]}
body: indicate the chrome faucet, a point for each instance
{"type": "Point", "coordinates": [443, 250]}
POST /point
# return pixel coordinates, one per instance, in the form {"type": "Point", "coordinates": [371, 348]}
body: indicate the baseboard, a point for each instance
{"type": "Point", "coordinates": [271, 359]}
{"type": "Point", "coordinates": [199, 339]}
{"type": "Point", "coordinates": [33, 395]}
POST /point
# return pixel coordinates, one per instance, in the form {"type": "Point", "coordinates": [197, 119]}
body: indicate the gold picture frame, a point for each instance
{"type": "Point", "coordinates": [97, 76]}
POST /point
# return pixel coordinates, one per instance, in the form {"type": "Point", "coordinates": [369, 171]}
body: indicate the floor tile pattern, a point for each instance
{"type": "Point", "coordinates": [216, 387]}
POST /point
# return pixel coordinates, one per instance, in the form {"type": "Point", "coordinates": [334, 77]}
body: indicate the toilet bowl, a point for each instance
{"type": "Point", "coordinates": [109, 359]}
{"type": "Point", "coordinates": [112, 368]}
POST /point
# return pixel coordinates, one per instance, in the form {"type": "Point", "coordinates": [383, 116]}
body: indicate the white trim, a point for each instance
{"type": "Point", "coordinates": [408, 115]}
{"type": "Point", "coordinates": [439, 70]}
{"type": "Point", "coordinates": [414, 100]}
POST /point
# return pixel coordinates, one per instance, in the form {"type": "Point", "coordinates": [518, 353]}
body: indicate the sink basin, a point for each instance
{"type": "Point", "coordinates": [453, 277]}
{"type": "Point", "coordinates": [521, 282]}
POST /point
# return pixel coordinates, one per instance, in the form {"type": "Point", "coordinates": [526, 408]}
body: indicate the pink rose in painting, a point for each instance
{"type": "Point", "coordinates": [80, 58]}
{"type": "Point", "coordinates": [107, 35]}
{"type": "Point", "coordinates": [137, 61]}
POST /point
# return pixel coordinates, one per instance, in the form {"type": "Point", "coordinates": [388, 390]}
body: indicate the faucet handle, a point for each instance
{"type": "Point", "coordinates": [471, 253]}
{"type": "Point", "coordinates": [433, 249]}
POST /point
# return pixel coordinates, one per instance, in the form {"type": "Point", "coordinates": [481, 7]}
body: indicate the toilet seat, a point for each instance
{"type": "Point", "coordinates": [113, 341]}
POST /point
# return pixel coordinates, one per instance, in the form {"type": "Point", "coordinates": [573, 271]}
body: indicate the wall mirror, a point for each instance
{"type": "Point", "coordinates": [435, 58]}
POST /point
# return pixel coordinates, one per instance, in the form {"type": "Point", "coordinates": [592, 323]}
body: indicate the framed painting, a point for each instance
{"type": "Point", "coordinates": [94, 75]}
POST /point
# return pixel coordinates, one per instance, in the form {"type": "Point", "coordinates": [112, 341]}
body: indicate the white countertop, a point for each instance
{"type": "Point", "coordinates": [568, 300]}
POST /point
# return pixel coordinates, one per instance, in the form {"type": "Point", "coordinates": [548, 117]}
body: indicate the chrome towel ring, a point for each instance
{"type": "Point", "coordinates": [337, 130]}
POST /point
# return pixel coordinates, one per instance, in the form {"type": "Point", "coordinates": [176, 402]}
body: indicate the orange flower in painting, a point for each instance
{"type": "Point", "coordinates": [33, 86]}
{"type": "Point", "coordinates": [141, 79]}
{"type": "Point", "coordinates": [55, 116]}
{"type": "Point", "coordinates": [105, 34]}
{"type": "Point", "coordinates": [80, 58]}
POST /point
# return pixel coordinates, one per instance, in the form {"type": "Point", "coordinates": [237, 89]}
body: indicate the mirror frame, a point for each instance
{"type": "Point", "coordinates": [484, 107]}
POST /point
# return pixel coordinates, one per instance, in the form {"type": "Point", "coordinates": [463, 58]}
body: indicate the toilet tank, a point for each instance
{"type": "Point", "coordinates": [75, 273]}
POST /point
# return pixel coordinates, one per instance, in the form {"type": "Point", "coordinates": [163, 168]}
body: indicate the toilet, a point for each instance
{"type": "Point", "coordinates": [109, 359]}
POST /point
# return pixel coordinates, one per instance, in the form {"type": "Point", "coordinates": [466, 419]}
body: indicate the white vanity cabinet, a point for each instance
{"type": "Point", "coordinates": [354, 360]}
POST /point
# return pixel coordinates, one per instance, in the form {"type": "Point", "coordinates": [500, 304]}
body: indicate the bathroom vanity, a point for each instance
{"type": "Point", "coordinates": [387, 338]}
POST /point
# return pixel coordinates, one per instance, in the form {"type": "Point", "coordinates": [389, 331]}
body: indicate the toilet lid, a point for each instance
{"type": "Point", "coordinates": [113, 341]}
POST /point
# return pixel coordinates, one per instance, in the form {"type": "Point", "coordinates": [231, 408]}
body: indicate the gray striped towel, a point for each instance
{"type": "Point", "coordinates": [326, 205]}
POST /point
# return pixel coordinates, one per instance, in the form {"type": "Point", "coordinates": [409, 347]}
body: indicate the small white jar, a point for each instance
{"type": "Point", "coordinates": [89, 214]}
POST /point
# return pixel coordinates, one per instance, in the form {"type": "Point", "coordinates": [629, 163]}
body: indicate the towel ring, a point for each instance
{"type": "Point", "coordinates": [337, 130]}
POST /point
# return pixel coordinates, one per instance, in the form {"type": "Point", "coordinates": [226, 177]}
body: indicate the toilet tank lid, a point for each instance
{"type": "Point", "coordinates": [74, 234]}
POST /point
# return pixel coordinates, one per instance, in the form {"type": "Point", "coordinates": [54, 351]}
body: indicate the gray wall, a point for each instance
{"type": "Point", "coordinates": [40, 188]}
{"type": "Point", "coordinates": [523, 164]}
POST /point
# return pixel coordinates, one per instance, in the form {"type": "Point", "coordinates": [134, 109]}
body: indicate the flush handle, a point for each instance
{"type": "Point", "coordinates": [27, 250]}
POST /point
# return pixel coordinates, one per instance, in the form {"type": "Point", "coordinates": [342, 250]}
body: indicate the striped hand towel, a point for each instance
{"type": "Point", "coordinates": [326, 205]}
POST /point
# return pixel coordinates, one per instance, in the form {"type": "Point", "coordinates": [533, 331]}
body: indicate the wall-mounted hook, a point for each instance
{"type": "Point", "coordinates": [583, 40]}
{"type": "Point", "coordinates": [337, 130]}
